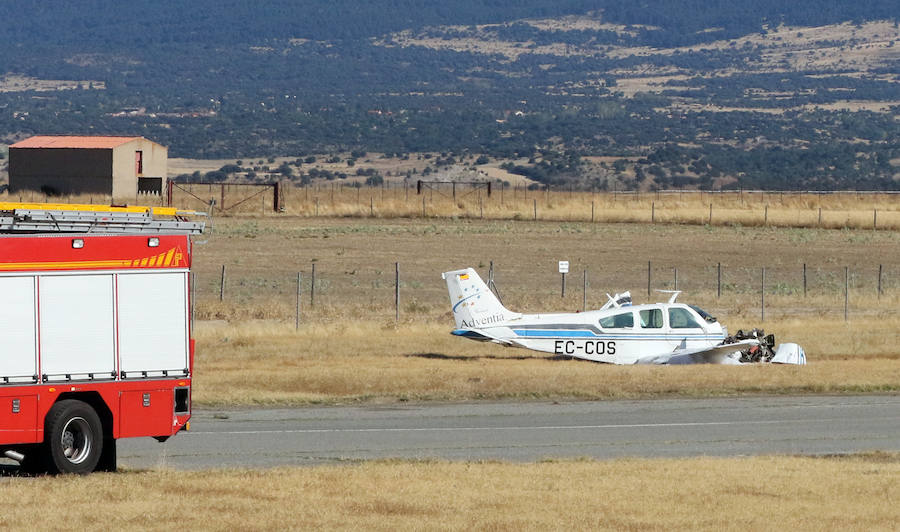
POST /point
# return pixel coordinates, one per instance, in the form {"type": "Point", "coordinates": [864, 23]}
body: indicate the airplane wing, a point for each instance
{"type": "Point", "coordinates": [702, 355]}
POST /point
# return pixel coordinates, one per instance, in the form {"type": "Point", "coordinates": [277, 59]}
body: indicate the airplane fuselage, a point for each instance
{"type": "Point", "coordinates": [618, 335]}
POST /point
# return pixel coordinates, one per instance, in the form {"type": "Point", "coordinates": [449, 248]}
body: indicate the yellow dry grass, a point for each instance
{"type": "Point", "coordinates": [355, 266]}
{"type": "Point", "coordinates": [771, 492]}
{"type": "Point", "coordinates": [349, 348]}
{"type": "Point", "coordinates": [266, 363]}
{"type": "Point", "coordinates": [733, 208]}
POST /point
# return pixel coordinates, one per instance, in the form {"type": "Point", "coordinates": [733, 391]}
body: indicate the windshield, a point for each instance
{"type": "Point", "coordinates": [703, 314]}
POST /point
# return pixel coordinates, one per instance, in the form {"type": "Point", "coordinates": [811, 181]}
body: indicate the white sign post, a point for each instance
{"type": "Point", "coordinates": [563, 270]}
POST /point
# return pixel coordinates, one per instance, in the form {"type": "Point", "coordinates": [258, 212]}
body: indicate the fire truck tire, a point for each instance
{"type": "Point", "coordinates": [73, 438]}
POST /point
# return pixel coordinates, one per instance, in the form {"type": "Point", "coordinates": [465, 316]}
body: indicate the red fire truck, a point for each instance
{"type": "Point", "coordinates": [95, 331]}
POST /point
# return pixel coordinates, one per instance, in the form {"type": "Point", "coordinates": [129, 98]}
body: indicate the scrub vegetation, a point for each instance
{"type": "Point", "coordinates": [856, 492]}
{"type": "Point", "coordinates": [681, 93]}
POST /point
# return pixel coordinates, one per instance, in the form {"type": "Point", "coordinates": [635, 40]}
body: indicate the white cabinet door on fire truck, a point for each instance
{"type": "Point", "coordinates": [77, 333]}
{"type": "Point", "coordinates": [153, 323]}
{"type": "Point", "coordinates": [18, 350]}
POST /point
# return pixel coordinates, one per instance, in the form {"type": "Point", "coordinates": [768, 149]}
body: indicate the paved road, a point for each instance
{"type": "Point", "coordinates": [527, 431]}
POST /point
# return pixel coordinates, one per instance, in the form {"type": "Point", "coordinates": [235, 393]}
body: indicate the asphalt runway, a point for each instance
{"type": "Point", "coordinates": [526, 431]}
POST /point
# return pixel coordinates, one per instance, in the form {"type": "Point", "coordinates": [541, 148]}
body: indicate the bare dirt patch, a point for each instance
{"type": "Point", "coordinates": [17, 83]}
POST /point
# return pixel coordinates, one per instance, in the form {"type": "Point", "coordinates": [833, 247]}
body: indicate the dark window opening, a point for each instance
{"type": "Point", "coordinates": [150, 185]}
{"type": "Point", "coordinates": [182, 400]}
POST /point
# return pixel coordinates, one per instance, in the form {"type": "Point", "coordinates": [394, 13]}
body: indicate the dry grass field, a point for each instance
{"type": "Point", "coordinates": [857, 492]}
{"type": "Point", "coordinates": [350, 348]}
{"type": "Point", "coordinates": [355, 262]}
{"type": "Point", "coordinates": [271, 364]}
{"type": "Point", "coordinates": [744, 209]}
{"type": "Point", "coordinates": [845, 210]}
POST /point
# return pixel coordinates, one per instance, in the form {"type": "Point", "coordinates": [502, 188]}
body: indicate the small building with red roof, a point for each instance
{"type": "Point", "coordinates": [121, 167]}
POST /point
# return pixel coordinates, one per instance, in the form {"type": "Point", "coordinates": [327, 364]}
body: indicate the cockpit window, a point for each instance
{"type": "Point", "coordinates": [680, 318]}
{"type": "Point", "coordinates": [618, 321]}
{"type": "Point", "coordinates": [652, 318]}
{"type": "Point", "coordinates": [703, 314]}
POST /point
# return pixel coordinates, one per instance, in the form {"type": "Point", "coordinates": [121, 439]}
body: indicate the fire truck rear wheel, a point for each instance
{"type": "Point", "coordinates": [73, 437]}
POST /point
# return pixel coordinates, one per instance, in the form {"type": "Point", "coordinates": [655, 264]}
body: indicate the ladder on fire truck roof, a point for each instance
{"type": "Point", "coordinates": [100, 219]}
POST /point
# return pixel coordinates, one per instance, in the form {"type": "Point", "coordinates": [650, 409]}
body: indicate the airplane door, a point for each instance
{"type": "Point", "coordinates": [651, 338]}
{"type": "Point", "coordinates": [684, 330]}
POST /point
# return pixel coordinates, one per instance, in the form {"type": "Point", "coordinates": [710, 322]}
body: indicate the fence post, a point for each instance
{"type": "Point", "coordinates": [719, 281]}
{"type": "Point", "coordinates": [592, 211]}
{"type": "Point", "coordinates": [804, 279]}
{"type": "Point", "coordinates": [648, 278]}
{"type": "Point", "coordinates": [879, 281]}
{"type": "Point", "coordinates": [299, 290]}
{"type": "Point", "coordinates": [397, 291]}
{"type": "Point", "coordinates": [710, 214]}
{"type": "Point", "coordinates": [584, 290]}
{"type": "Point", "coordinates": [820, 217]}
{"type": "Point", "coordinates": [535, 209]}
{"type": "Point", "coordinates": [652, 212]}
{"type": "Point", "coordinates": [312, 286]}
{"type": "Point", "coordinates": [372, 206]}
{"type": "Point", "coordinates": [846, 292]}
{"type": "Point", "coordinates": [762, 296]}
{"type": "Point", "coordinates": [563, 294]}
{"type": "Point", "coordinates": [766, 215]}
{"type": "Point", "coordinates": [222, 285]}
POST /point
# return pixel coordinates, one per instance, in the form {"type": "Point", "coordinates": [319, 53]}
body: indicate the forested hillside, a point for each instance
{"type": "Point", "coordinates": [677, 93]}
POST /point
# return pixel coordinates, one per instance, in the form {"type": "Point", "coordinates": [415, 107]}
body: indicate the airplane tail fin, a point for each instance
{"type": "Point", "coordinates": [474, 305]}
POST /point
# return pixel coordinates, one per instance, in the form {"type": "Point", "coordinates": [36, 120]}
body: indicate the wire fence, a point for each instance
{"type": "Point", "coordinates": [388, 293]}
{"type": "Point", "coordinates": [406, 199]}
{"type": "Point", "coordinates": [813, 209]}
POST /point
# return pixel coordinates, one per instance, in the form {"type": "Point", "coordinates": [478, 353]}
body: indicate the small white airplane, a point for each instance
{"type": "Point", "coordinates": [618, 333]}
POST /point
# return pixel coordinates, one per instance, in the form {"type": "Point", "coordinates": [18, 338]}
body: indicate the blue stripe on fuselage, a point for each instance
{"type": "Point", "coordinates": [556, 333]}
{"type": "Point", "coordinates": [535, 333]}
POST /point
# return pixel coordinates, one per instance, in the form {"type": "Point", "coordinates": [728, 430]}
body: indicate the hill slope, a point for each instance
{"type": "Point", "coordinates": [678, 93]}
